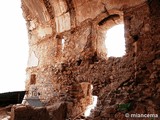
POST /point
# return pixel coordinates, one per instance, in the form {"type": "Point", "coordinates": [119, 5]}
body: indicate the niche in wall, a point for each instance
{"type": "Point", "coordinates": [33, 79]}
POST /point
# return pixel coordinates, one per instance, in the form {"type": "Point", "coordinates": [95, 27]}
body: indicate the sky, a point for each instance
{"type": "Point", "coordinates": [13, 46]}
{"type": "Point", "coordinates": [115, 41]}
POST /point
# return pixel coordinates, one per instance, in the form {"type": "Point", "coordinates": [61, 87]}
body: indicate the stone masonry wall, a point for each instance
{"type": "Point", "coordinates": [67, 56]}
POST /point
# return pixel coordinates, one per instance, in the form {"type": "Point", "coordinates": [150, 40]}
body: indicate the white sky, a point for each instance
{"type": "Point", "coordinates": [115, 41]}
{"type": "Point", "coordinates": [13, 46]}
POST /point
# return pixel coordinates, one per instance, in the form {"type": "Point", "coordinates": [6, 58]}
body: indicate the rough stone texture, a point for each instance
{"type": "Point", "coordinates": [27, 112]}
{"type": "Point", "coordinates": [57, 111]}
{"type": "Point", "coordinates": [5, 113]}
{"type": "Point", "coordinates": [68, 55]}
{"type": "Point", "coordinates": [54, 112]}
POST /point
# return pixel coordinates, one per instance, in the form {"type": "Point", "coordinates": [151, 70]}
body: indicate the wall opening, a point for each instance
{"type": "Point", "coordinates": [60, 45]}
{"type": "Point", "coordinates": [110, 17]}
{"type": "Point", "coordinates": [91, 106]}
{"type": "Point", "coordinates": [115, 41]}
{"type": "Point", "coordinates": [63, 41]}
{"type": "Point", "coordinates": [33, 79]}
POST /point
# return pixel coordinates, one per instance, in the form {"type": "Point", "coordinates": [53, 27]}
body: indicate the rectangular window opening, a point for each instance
{"type": "Point", "coordinates": [33, 79]}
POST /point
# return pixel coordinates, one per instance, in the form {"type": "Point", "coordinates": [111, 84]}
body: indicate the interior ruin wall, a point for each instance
{"type": "Point", "coordinates": [67, 55]}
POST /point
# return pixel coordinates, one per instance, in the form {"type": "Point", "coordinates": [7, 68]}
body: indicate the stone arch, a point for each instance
{"type": "Point", "coordinates": [104, 22]}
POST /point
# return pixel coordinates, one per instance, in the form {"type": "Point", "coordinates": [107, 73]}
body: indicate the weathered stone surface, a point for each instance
{"type": "Point", "coordinates": [5, 112]}
{"type": "Point", "coordinates": [54, 112]}
{"type": "Point", "coordinates": [26, 112]}
{"type": "Point", "coordinates": [57, 111]}
{"type": "Point", "coordinates": [39, 11]}
{"type": "Point", "coordinates": [32, 60]}
{"type": "Point", "coordinates": [68, 54]}
{"type": "Point", "coordinates": [61, 21]}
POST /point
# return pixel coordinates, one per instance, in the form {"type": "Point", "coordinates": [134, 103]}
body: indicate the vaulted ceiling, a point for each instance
{"type": "Point", "coordinates": [70, 13]}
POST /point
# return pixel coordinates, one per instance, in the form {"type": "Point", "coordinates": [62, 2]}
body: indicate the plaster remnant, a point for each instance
{"type": "Point", "coordinates": [32, 25]}
{"type": "Point", "coordinates": [61, 22]}
{"type": "Point", "coordinates": [42, 32]}
{"type": "Point", "coordinates": [33, 60]}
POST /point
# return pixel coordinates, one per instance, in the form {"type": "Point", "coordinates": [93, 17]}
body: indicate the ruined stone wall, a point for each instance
{"type": "Point", "coordinates": [68, 55]}
{"type": "Point", "coordinates": [136, 75]}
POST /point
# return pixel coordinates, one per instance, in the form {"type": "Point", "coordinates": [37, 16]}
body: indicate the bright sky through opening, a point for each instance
{"type": "Point", "coordinates": [115, 41]}
{"type": "Point", "coordinates": [13, 46]}
{"type": "Point", "coordinates": [92, 106]}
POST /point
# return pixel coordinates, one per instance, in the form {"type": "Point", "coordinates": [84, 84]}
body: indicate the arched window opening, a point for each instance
{"type": "Point", "coordinates": [115, 41]}
{"type": "Point", "coordinates": [91, 106]}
